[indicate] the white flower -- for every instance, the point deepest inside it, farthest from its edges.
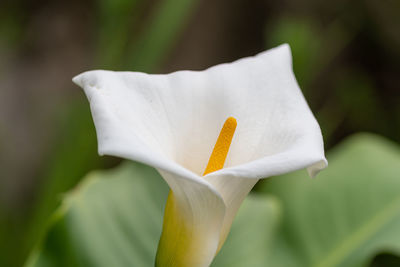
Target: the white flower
(171, 122)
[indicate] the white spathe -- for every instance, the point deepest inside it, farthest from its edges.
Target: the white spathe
(172, 121)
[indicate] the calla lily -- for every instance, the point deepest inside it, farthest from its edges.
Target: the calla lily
(172, 122)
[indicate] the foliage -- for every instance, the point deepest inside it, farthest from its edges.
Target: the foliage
(114, 218)
(345, 57)
(344, 217)
(75, 150)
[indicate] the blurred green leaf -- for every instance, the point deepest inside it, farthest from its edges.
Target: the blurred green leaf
(161, 32)
(114, 218)
(345, 216)
(385, 260)
(305, 42)
(315, 49)
(75, 153)
(116, 18)
(126, 42)
(251, 236)
(11, 24)
(358, 98)
(354, 104)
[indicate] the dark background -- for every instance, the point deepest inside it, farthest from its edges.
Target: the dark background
(346, 59)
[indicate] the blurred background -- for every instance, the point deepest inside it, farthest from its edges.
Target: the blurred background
(346, 59)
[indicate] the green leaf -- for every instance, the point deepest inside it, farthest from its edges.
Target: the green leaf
(251, 235)
(345, 216)
(167, 21)
(305, 42)
(114, 218)
(115, 21)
